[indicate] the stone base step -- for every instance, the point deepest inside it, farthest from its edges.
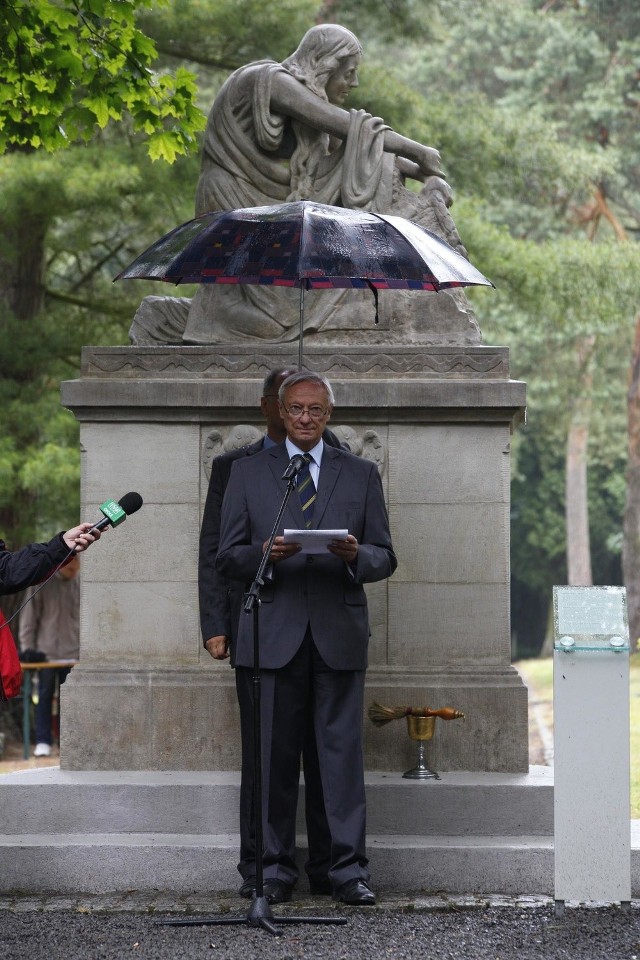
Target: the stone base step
(98, 832)
(184, 863)
(50, 800)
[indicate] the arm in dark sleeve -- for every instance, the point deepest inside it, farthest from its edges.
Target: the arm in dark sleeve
(238, 556)
(213, 587)
(25, 567)
(376, 559)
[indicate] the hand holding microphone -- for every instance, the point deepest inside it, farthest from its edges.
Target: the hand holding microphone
(81, 537)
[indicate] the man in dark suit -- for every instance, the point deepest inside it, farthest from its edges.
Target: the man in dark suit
(220, 607)
(314, 627)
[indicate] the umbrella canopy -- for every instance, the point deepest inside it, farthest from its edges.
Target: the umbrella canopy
(306, 245)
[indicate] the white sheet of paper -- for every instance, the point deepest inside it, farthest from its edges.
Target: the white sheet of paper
(314, 541)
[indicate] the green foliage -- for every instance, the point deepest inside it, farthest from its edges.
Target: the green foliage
(72, 67)
(532, 106)
(99, 206)
(39, 455)
(545, 100)
(225, 34)
(379, 22)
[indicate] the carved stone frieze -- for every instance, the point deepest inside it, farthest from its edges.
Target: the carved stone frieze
(362, 442)
(219, 441)
(365, 443)
(437, 362)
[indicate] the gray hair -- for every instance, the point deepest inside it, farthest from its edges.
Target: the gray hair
(303, 377)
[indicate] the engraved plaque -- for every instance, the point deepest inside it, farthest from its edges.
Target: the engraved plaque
(590, 618)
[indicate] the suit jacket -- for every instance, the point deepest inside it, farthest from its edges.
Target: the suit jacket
(317, 590)
(220, 598)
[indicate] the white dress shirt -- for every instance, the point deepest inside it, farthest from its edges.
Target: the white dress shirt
(316, 454)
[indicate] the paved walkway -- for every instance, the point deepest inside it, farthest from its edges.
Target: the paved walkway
(398, 928)
(187, 904)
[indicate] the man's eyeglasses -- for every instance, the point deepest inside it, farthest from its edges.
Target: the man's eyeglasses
(295, 411)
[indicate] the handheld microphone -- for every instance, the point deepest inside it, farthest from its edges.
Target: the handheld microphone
(295, 466)
(115, 513)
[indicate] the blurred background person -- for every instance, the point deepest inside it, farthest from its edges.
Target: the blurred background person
(50, 624)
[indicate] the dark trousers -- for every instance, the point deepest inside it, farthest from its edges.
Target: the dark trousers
(318, 836)
(304, 693)
(46, 688)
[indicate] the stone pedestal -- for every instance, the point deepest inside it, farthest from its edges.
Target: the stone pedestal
(438, 420)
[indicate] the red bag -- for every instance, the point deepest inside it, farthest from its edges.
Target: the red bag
(10, 666)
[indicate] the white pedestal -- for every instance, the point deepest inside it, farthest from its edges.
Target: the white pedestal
(591, 751)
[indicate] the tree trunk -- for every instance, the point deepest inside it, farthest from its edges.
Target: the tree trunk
(24, 274)
(22, 293)
(546, 649)
(576, 502)
(631, 527)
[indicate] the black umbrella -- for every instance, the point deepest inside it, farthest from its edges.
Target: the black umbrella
(306, 245)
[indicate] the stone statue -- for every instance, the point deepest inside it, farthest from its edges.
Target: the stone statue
(276, 133)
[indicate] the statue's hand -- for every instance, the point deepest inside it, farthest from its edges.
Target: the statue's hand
(429, 162)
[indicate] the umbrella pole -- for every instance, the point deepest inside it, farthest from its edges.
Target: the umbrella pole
(301, 326)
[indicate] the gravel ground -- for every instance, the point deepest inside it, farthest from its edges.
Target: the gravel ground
(422, 928)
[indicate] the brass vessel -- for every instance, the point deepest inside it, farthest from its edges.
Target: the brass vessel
(421, 729)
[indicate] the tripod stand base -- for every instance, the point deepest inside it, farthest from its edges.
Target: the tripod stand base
(259, 915)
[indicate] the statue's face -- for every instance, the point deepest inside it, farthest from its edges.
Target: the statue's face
(342, 80)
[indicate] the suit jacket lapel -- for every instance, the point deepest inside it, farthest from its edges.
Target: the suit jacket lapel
(278, 460)
(329, 473)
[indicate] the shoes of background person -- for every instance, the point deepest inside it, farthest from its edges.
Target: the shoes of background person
(320, 886)
(42, 750)
(277, 891)
(248, 888)
(355, 892)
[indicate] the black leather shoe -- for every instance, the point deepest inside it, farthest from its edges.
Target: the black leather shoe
(248, 888)
(355, 892)
(320, 886)
(277, 891)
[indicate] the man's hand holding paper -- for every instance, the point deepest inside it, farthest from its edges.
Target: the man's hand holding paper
(319, 541)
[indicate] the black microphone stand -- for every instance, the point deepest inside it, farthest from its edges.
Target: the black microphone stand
(260, 913)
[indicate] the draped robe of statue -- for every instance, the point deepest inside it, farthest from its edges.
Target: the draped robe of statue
(253, 156)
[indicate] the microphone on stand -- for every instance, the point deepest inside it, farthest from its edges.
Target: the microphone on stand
(294, 467)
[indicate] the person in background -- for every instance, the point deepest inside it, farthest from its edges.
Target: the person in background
(50, 624)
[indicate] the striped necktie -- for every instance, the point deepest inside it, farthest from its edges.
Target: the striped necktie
(306, 490)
